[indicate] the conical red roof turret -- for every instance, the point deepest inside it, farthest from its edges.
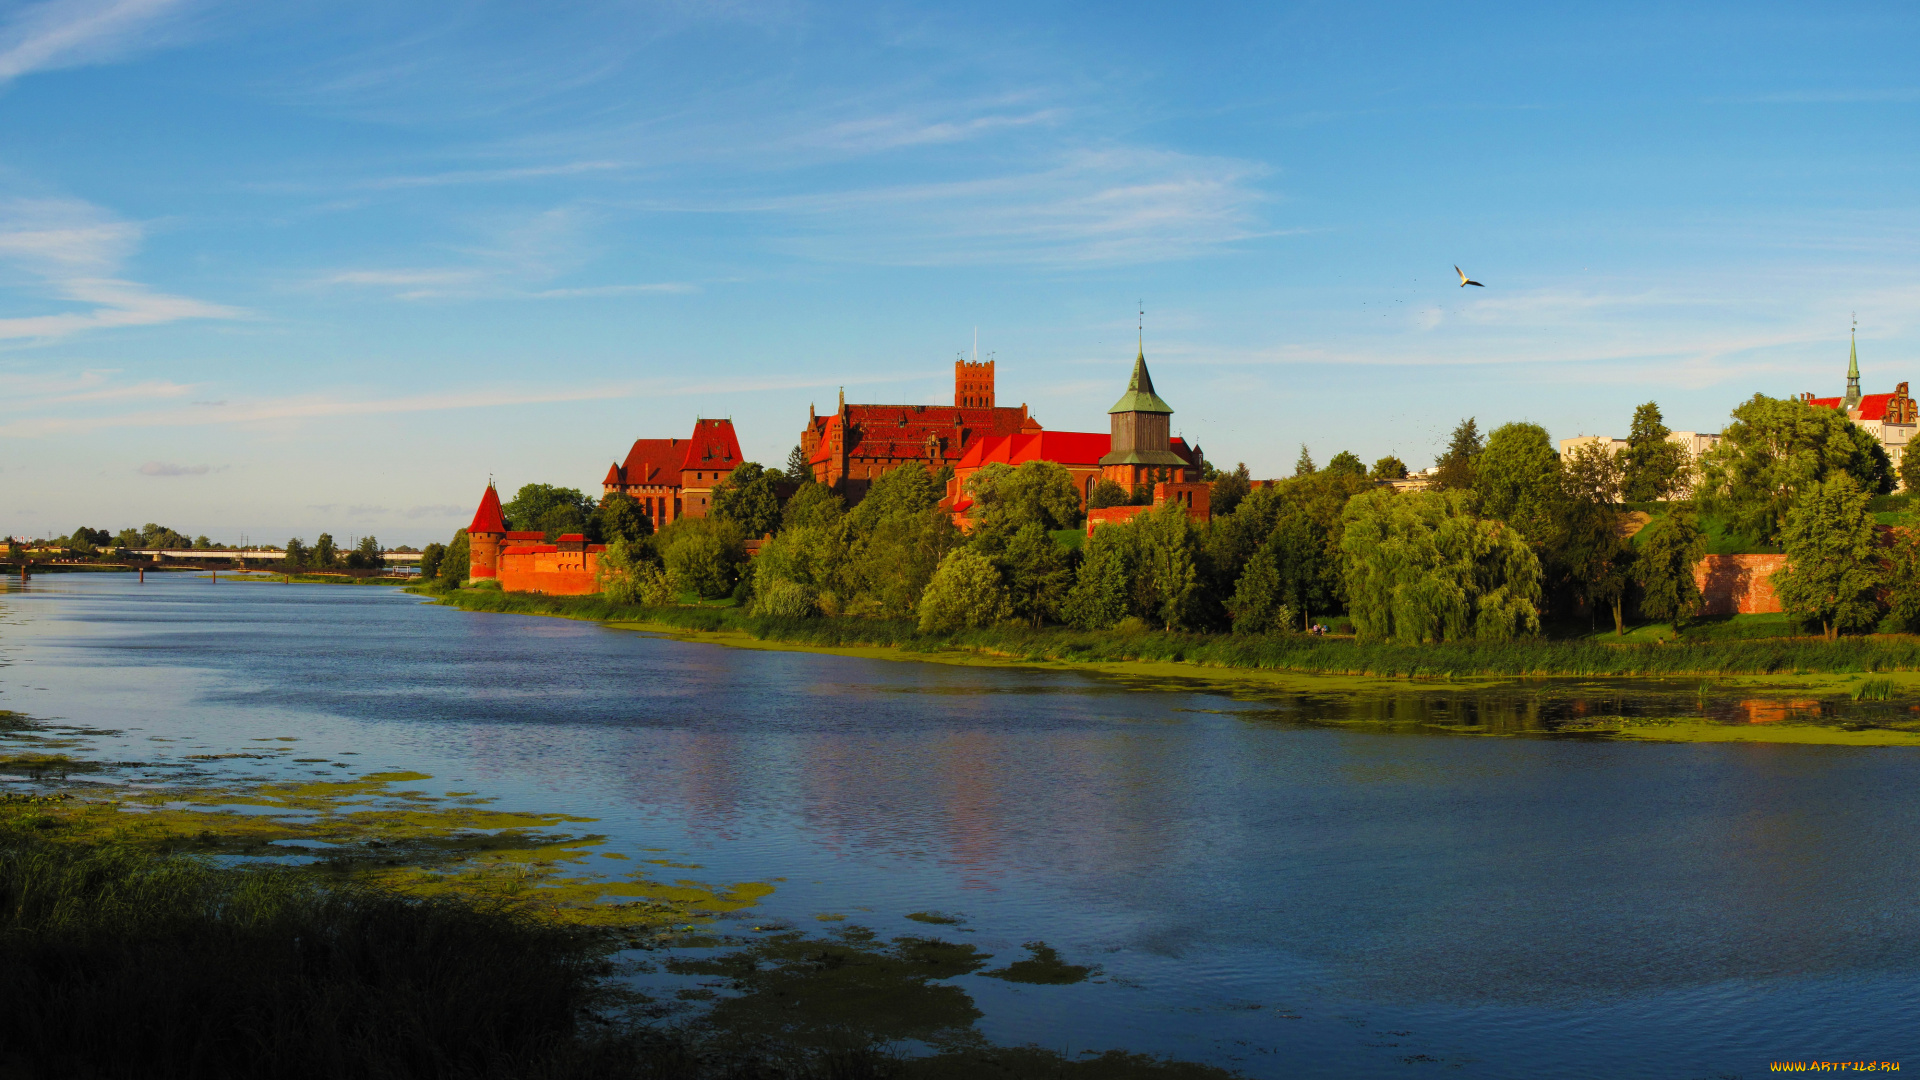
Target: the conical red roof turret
(488, 518)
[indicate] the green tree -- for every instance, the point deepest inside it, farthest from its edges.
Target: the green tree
(704, 554)
(1833, 565)
(1228, 489)
(1303, 465)
(430, 557)
(799, 571)
(366, 555)
(1517, 479)
(798, 470)
(1169, 576)
(748, 498)
(1666, 556)
(1655, 468)
(1389, 468)
(324, 552)
(1909, 474)
(1903, 576)
(297, 554)
(1107, 493)
(1287, 577)
(621, 517)
(1102, 589)
(1774, 453)
(552, 510)
(813, 505)
(1007, 499)
(1593, 546)
(129, 538)
(1346, 463)
(965, 592)
(457, 562)
(1422, 567)
(1456, 465)
(896, 538)
(1039, 572)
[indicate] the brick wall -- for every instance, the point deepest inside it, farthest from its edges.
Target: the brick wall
(1737, 584)
(542, 568)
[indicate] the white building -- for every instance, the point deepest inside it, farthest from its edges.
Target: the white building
(1695, 443)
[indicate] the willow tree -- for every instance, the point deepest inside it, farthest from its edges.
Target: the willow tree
(1422, 567)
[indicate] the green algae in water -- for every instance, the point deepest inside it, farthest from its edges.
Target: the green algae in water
(936, 918)
(814, 990)
(1042, 967)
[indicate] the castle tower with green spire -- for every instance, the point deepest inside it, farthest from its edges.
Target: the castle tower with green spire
(1142, 423)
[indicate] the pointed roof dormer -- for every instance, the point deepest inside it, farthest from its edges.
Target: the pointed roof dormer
(1140, 397)
(488, 519)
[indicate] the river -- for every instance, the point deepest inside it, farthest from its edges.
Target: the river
(1259, 890)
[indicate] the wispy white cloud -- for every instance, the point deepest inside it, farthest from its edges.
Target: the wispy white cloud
(890, 131)
(73, 248)
(1118, 205)
(161, 468)
(70, 33)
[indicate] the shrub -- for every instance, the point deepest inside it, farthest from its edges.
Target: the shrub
(966, 592)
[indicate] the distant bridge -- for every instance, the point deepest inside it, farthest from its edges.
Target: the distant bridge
(250, 555)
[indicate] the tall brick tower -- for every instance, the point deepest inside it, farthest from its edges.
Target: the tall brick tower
(484, 535)
(1141, 421)
(972, 385)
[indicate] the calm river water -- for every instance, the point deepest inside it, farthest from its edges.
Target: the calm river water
(1261, 892)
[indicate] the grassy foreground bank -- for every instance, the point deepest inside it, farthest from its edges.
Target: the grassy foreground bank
(1291, 653)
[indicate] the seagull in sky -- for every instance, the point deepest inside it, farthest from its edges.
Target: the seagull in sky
(1464, 280)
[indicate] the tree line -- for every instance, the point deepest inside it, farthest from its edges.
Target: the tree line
(1510, 537)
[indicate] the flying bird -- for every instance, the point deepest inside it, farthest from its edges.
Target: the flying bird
(1464, 280)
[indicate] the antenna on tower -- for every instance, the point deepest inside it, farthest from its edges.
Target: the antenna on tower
(976, 344)
(1141, 329)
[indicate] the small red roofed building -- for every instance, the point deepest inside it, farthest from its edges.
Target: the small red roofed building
(674, 478)
(848, 448)
(1893, 419)
(524, 561)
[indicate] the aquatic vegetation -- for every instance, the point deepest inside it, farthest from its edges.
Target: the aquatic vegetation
(936, 918)
(1874, 690)
(1042, 967)
(813, 990)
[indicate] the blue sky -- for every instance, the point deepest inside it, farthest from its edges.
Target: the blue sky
(269, 269)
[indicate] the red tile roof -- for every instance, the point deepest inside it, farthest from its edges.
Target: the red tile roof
(529, 534)
(713, 446)
(488, 518)
(902, 432)
(1874, 406)
(653, 461)
(1065, 447)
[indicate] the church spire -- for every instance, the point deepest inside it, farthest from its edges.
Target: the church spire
(1853, 367)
